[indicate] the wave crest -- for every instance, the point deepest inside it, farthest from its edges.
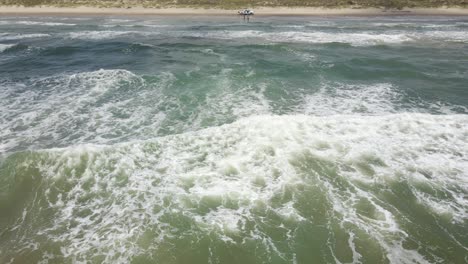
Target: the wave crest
(249, 179)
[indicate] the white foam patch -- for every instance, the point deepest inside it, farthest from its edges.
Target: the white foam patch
(289, 26)
(221, 34)
(371, 99)
(407, 25)
(108, 106)
(358, 39)
(220, 178)
(456, 36)
(35, 23)
(81, 108)
(12, 36)
(369, 38)
(101, 35)
(97, 35)
(119, 20)
(130, 26)
(4, 47)
(338, 98)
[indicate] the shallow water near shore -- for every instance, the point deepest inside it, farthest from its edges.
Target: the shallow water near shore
(213, 140)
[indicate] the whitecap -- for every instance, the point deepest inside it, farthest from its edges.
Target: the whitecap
(456, 36)
(12, 36)
(4, 47)
(357, 39)
(34, 23)
(339, 98)
(28, 114)
(224, 180)
(98, 35)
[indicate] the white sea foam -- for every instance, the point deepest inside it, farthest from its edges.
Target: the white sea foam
(221, 34)
(337, 98)
(102, 115)
(119, 20)
(408, 25)
(98, 35)
(34, 23)
(4, 47)
(137, 25)
(365, 39)
(84, 100)
(289, 26)
(12, 36)
(222, 178)
(357, 39)
(457, 36)
(101, 35)
(374, 99)
(58, 110)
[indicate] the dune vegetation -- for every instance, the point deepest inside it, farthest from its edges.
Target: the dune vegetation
(242, 3)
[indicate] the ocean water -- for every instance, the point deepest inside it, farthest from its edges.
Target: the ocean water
(211, 140)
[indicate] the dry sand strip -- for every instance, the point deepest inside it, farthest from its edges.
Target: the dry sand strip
(268, 11)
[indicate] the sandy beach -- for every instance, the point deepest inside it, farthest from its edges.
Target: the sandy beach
(265, 11)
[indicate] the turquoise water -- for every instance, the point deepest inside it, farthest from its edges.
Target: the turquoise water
(212, 140)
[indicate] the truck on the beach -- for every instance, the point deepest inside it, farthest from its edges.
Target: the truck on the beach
(245, 12)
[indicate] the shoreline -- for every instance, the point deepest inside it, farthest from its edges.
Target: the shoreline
(260, 11)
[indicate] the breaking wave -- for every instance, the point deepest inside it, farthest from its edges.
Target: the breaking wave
(245, 185)
(100, 35)
(108, 106)
(4, 47)
(35, 23)
(356, 39)
(11, 36)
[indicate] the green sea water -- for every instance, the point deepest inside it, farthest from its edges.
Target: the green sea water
(159, 139)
